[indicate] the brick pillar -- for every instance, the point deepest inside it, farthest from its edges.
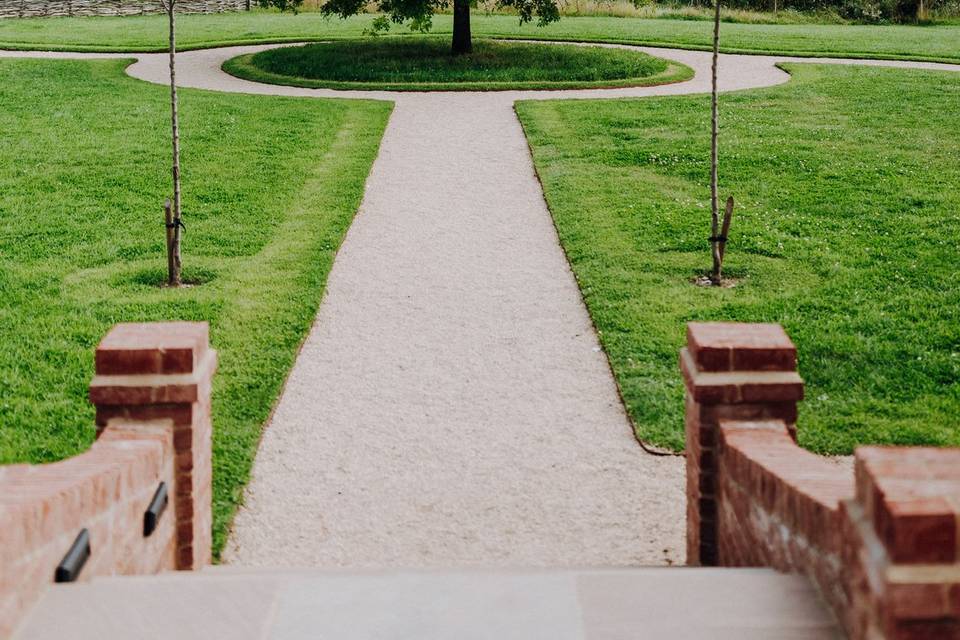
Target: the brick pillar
(902, 545)
(165, 370)
(732, 371)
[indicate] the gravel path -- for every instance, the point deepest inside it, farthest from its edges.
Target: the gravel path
(451, 405)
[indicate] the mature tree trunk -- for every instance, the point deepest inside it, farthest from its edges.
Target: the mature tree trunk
(173, 277)
(715, 275)
(461, 27)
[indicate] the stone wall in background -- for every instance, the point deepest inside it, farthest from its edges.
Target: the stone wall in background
(48, 8)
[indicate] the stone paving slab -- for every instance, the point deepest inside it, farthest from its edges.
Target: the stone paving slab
(632, 604)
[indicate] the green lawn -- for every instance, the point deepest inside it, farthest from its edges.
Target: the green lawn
(846, 232)
(147, 33)
(270, 187)
(426, 64)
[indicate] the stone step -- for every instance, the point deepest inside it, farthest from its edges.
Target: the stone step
(283, 604)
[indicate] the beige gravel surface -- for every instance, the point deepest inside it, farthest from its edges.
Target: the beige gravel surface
(452, 406)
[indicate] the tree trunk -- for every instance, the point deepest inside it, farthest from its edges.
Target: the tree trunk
(461, 27)
(174, 277)
(714, 126)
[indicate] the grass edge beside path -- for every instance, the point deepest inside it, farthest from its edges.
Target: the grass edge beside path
(787, 53)
(139, 34)
(272, 185)
(337, 181)
(876, 330)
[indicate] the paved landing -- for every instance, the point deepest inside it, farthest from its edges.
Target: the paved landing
(632, 604)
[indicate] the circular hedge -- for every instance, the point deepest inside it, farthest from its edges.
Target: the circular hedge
(426, 64)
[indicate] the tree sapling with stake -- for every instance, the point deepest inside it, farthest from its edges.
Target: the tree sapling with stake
(718, 236)
(172, 217)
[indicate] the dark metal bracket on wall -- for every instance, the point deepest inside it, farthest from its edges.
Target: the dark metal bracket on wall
(157, 506)
(72, 564)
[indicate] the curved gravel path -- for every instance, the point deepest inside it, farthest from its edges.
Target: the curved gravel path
(451, 405)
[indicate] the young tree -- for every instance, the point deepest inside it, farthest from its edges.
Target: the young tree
(420, 14)
(714, 131)
(718, 235)
(173, 219)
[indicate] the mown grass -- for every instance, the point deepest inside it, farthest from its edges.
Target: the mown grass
(270, 187)
(653, 10)
(426, 64)
(846, 232)
(147, 33)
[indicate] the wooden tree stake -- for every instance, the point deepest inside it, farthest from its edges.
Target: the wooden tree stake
(725, 229)
(171, 263)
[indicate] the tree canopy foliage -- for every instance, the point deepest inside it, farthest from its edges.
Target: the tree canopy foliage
(420, 13)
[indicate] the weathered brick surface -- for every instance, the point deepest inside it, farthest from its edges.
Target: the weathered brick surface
(900, 544)
(779, 505)
(883, 547)
(912, 497)
(141, 442)
(105, 490)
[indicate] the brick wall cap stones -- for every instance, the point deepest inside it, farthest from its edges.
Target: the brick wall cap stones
(132, 390)
(940, 463)
(774, 426)
(726, 346)
(912, 498)
(769, 454)
(154, 348)
(739, 387)
(920, 574)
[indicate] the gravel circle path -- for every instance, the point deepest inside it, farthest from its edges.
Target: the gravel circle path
(452, 406)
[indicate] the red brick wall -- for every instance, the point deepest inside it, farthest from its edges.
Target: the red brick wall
(901, 544)
(883, 548)
(152, 393)
(165, 370)
(779, 505)
(723, 385)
